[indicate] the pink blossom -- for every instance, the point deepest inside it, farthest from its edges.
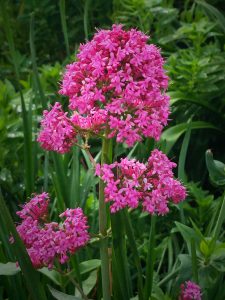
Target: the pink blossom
(130, 182)
(36, 208)
(47, 242)
(94, 122)
(57, 133)
(119, 74)
(190, 291)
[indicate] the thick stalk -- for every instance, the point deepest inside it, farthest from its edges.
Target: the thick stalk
(150, 261)
(103, 229)
(120, 268)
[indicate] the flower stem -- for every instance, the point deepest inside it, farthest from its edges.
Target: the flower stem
(150, 261)
(78, 287)
(103, 229)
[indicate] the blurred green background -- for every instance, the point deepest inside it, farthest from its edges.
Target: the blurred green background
(38, 38)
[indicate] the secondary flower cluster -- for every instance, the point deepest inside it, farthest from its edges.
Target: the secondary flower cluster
(57, 133)
(129, 182)
(118, 83)
(46, 242)
(190, 291)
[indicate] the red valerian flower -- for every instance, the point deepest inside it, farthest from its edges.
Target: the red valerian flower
(47, 242)
(130, 182)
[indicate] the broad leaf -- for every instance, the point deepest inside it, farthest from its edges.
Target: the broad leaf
(216, 169)
(9, 269)
(61, 296)
(89, 265)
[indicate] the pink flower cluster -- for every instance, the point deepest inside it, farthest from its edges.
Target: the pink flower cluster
(46, 242)
(118, 84)
(57, 132)
(190, 291)
(129, 182)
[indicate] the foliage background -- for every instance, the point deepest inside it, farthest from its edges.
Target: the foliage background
(38, 38)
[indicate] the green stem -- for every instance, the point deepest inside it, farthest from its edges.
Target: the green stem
(220, 220)
(132, 241)
(76, 284)
(120, 269)
(103, 229)
(150, 261)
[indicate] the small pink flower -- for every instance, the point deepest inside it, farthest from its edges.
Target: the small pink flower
(46, 242)
(36, 208)
(190, 291)
(57, 133)
(130, 182)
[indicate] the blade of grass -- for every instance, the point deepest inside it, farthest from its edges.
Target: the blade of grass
(75, 179)
(181, 165)
(61, 178)
(183, 154)
(134, 249)
(220, 220)
(119, 262)
(27, 129)
(194, 262)
(38, 88)
(169, 277)
(64, 26)
(30, 275)
(150, 261)
(86, 9)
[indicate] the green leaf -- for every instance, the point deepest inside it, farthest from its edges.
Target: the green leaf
(9, 269)
(89, 265)
(218, 16)
(172, 134)
(183, 154)
(185, 268)
(61, 296)
(216, 169)
(89, 283)
(204, 248)
(188, 234)
(51, 274)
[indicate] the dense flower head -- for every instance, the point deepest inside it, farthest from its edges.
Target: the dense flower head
(46, 242)
(36, 208)
(130, 182)
(57, 132)
(119, 73)
(190, 291)
(93, 122)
